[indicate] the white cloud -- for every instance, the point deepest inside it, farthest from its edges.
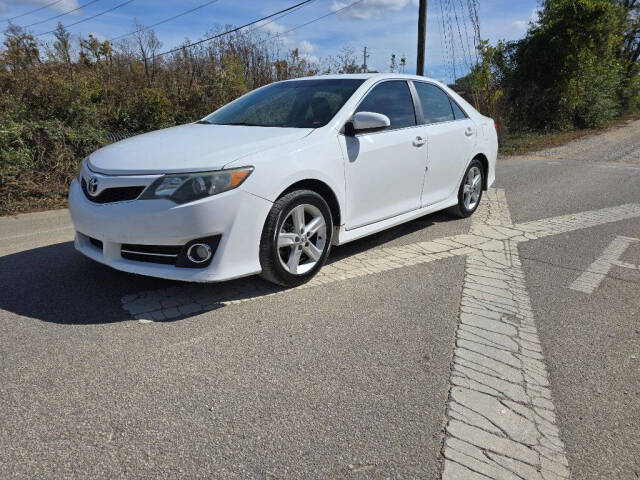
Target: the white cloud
(524, 24)
(272, 28)
(367, 9)
(99, 36)
(535, 14)
(520, 24)
(62, 6)
(306, 48)
(311, 58)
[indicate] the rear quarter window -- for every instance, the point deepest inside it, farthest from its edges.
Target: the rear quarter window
(458, 113)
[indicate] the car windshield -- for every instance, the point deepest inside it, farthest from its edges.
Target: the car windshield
(297, 104)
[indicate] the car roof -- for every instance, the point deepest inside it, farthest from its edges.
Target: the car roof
(365, 76)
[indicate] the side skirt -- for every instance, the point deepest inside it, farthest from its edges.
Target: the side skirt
(341, 235)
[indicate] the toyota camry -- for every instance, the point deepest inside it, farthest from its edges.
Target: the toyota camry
(269, 182)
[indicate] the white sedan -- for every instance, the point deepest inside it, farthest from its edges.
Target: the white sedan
(267, 183)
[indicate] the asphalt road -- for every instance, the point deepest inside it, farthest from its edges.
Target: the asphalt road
(110, 375)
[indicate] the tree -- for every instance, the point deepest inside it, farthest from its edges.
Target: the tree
(631, 47)
(62, 46)
(347, 62)
(630, 54)
(393, 66)
(22, 50)
(568, 69)
(148, 45)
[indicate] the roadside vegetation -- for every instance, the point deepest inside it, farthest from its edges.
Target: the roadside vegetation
(577, 68)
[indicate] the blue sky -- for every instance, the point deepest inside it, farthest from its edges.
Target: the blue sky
(384, 26)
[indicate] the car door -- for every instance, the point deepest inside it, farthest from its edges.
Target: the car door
(451, 137)
(384, 169)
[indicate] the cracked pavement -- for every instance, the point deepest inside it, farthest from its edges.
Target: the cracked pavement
(505, 346)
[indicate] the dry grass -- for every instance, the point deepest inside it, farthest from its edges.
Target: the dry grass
(520, 143)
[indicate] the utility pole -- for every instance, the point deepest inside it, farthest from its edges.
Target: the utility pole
(365, 56)
(422, 36)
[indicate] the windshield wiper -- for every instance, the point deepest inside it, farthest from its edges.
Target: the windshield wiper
(243, 124)
(203, 122)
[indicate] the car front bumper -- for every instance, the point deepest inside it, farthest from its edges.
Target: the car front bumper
(236, 216)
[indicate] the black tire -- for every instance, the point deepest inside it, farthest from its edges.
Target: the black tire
(272, 269)
(460, 210)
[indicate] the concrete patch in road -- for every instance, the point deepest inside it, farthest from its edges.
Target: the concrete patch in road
(501, 418)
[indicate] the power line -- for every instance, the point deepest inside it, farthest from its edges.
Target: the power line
(60, 15)
(89, 18)
(475, 22)
(164, 21)
(442, 43)
(466, 32)
(233, 30)
(447, 44)
(275, 19)
(32, 11)
(452, 41)
(465, 55)
(321, 17)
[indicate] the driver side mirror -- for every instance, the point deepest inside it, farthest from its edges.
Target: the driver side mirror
(363, 121)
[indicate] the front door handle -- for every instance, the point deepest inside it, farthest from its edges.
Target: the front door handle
(468, 132)
(419, 141)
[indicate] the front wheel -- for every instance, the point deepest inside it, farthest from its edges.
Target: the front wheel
(296, 238)
(470, 191)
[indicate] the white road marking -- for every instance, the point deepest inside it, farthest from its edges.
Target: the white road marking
(577, 221)
(190, 299)
(501, 420)
(591, 279)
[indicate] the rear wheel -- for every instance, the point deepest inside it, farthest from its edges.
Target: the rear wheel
(296, 238)
(470, 191)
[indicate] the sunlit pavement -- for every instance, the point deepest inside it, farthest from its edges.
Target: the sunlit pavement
(503, 346)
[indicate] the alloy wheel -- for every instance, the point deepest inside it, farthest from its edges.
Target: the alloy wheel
(301, 239)
(472, 188)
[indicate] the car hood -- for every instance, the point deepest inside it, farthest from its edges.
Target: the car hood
(189, 148)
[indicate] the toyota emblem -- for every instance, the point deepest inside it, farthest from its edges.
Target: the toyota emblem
(92, 186)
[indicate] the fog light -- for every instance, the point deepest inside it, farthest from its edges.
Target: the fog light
(199, 253)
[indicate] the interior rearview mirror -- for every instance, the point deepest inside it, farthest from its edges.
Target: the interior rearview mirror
(366, 121)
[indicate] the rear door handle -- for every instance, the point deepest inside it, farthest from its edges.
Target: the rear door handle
(419, 141)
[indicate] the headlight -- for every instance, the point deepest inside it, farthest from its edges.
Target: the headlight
(183, 188)
(80, 169)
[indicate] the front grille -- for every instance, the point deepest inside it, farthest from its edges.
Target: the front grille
(165, 254)
(96, 243)
(115, 194)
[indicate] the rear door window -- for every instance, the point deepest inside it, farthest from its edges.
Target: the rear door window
(436, 106)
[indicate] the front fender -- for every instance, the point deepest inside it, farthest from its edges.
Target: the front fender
(317, 158)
